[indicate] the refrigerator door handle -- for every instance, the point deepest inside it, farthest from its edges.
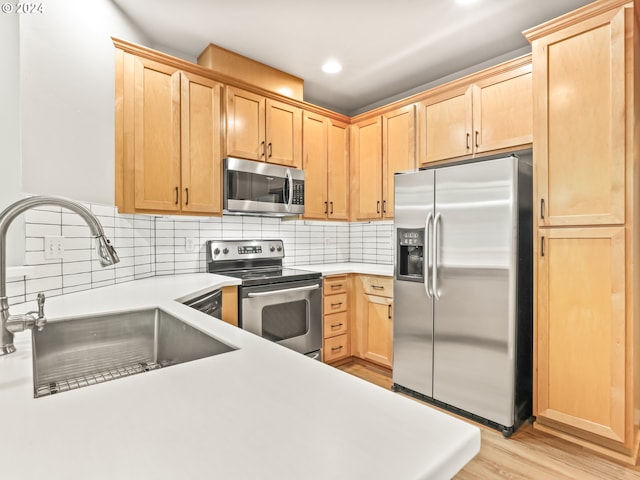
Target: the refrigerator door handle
(426, 268)
(434, 278)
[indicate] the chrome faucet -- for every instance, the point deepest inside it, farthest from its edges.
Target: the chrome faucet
(17, 323)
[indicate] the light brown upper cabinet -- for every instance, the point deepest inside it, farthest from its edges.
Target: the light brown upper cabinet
(492, 113)
(168, 139)
(381, 146)
(325, 160)
(366, 169)
(260, 128)
(586, 179)
(581, 89)
(398, 150)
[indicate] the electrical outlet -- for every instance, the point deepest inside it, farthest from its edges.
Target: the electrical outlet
(190, 244)
(53, 247)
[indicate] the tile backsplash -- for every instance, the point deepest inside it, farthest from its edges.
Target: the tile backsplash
(151, 245)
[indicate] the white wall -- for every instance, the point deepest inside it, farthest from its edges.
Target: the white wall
(10, 183)
(67, 91)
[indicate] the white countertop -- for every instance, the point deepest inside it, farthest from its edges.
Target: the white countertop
(260, 412)
(348, 267)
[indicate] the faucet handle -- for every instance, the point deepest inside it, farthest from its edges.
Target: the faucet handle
(40, 299)
(41, 321)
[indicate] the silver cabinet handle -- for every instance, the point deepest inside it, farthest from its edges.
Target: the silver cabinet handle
(434, 279)
(426, 268)
(287, 290)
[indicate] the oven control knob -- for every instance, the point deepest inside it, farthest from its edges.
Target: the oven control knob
(225, 251)
(272, 248)
(279, 249)
(216, 251)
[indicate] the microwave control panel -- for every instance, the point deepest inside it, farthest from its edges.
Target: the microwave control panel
(298, 193)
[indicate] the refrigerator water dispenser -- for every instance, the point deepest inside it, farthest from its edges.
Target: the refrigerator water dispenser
(410, 254)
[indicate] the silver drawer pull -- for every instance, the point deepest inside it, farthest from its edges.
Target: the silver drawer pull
(287, 290)
(334, 305)
(336, 325)
(336, 286)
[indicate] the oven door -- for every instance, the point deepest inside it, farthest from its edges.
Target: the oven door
(288, 313)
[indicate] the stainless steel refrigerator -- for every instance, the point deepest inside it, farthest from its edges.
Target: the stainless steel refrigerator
(463, 288)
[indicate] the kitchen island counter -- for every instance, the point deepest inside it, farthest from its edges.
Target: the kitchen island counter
(259, 412)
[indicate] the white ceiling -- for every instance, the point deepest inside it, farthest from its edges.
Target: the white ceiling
(386, 47)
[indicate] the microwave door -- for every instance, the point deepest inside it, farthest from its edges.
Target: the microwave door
(239, 184)
(267, 189)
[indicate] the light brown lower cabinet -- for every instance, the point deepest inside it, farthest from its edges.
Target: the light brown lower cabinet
(372, 333)
(335, 331)
(582, 343)
(230, 305)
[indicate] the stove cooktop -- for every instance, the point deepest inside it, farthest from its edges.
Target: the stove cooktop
(255, 262)
(252, 277)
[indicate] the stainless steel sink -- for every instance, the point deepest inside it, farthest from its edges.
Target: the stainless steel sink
(78, 352)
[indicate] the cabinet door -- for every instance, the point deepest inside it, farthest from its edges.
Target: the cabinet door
(338, 171)
(398, 150)
(503, 111)
(580, 334)
(366, 163)
(283, 134)
(445, 126)
(201, 145)
(314, 163)
(378, 330)
(245, 124)
(579, 93)
(156, 136)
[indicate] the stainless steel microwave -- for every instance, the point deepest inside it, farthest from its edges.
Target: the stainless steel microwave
(262, 189)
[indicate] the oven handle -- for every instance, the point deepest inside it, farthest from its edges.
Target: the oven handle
(287, 290)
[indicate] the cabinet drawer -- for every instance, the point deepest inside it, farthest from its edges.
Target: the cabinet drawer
(335, 348)
(335, 324)
(335, 303)
(382, 286)
(334, 285)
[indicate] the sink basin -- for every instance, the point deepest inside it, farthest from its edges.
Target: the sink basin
(78, 352)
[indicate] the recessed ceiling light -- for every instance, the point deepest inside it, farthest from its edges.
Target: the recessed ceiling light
(331, 67)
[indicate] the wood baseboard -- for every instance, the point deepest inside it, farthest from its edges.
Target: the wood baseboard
(365, 363)
(612, 454)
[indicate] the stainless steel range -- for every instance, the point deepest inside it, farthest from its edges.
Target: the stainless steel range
(280, 304)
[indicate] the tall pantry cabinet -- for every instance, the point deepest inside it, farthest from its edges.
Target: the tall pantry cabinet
(586, 154)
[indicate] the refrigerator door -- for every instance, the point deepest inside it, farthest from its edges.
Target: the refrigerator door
(413, 309)
(474, 323)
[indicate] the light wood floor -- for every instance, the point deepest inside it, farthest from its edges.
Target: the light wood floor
(528, 455)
